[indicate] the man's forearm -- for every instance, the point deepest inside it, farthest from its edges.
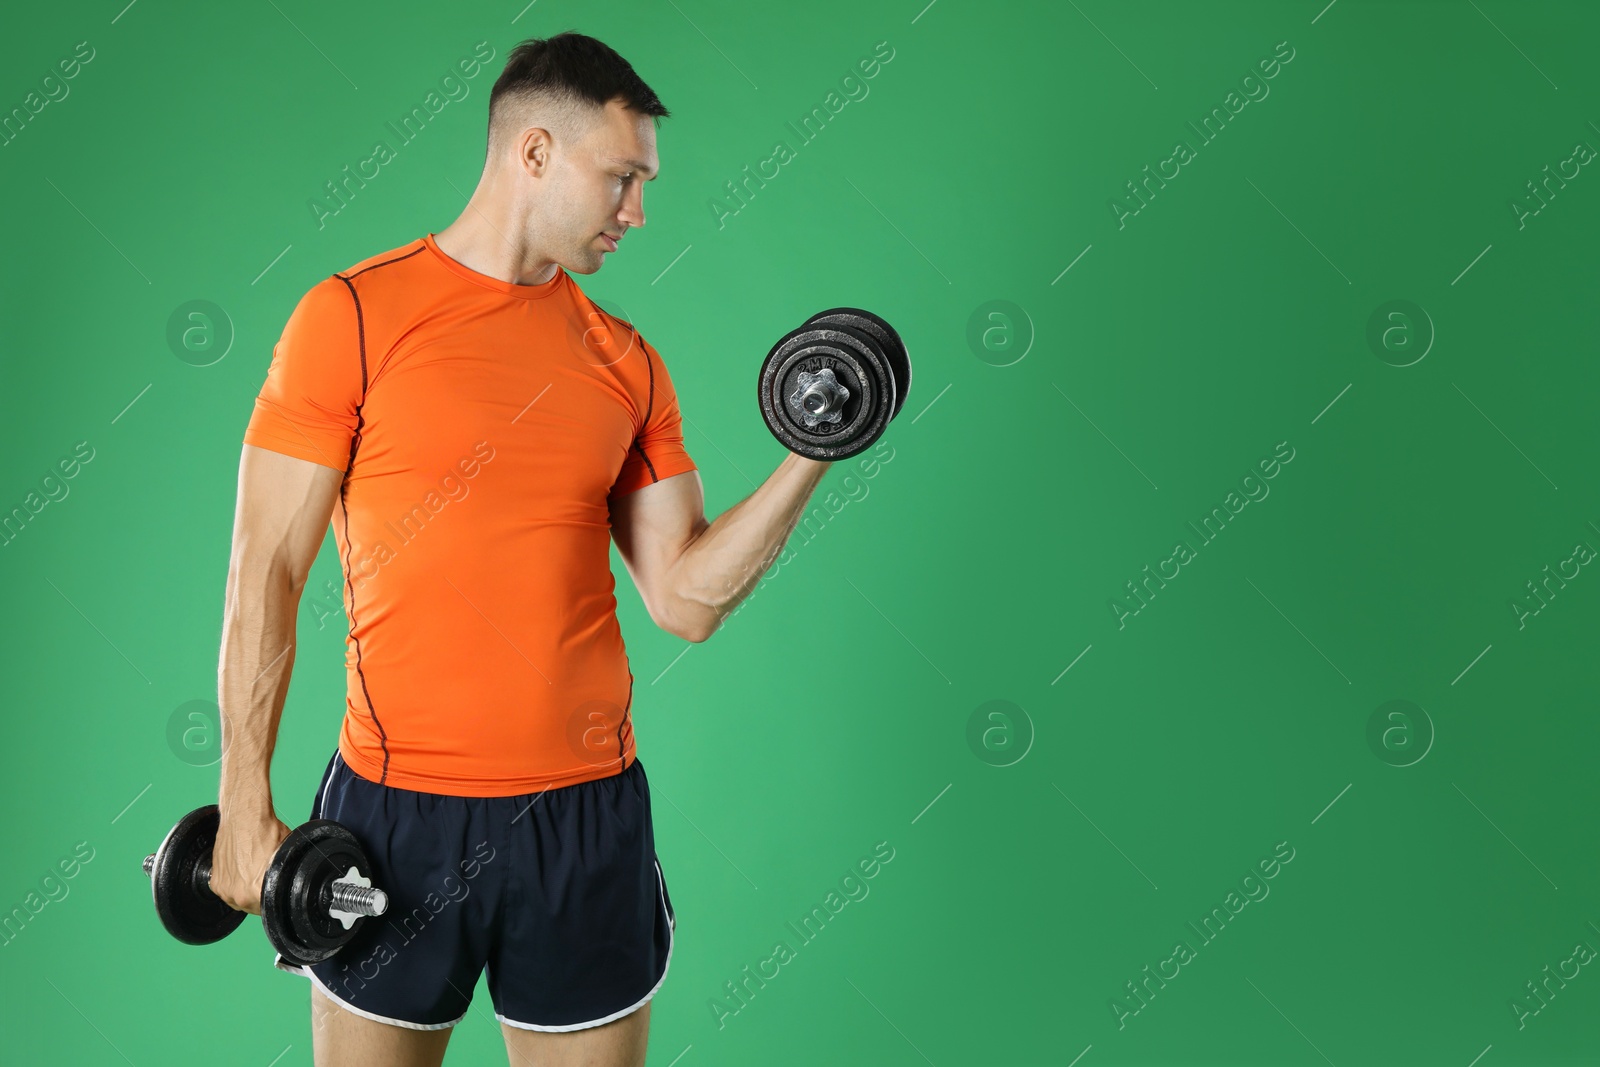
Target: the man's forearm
(258, 629)
(721, 566)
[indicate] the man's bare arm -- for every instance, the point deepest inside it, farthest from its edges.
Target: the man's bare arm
(282, 515)
(693, 573)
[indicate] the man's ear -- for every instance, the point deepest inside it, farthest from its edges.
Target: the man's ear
(533, 151)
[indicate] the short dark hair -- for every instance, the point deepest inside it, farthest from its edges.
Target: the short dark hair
(576, 71)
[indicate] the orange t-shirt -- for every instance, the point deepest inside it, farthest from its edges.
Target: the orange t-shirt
(482, 427)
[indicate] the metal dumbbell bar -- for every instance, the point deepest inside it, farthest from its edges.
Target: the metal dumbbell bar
(829, 388)
(315, 896)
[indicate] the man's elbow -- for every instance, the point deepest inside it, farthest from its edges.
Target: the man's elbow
(694, 631)
(690, 621)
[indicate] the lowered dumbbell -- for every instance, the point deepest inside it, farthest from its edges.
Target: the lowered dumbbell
(829, 388)
(314, 898)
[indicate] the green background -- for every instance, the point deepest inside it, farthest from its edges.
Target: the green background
(1230, 714)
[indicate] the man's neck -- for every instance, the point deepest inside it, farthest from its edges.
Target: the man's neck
(482, 239)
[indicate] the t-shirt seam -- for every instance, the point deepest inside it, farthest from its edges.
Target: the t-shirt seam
(386, 262)
(361, 334)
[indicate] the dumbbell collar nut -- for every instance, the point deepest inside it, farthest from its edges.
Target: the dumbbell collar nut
(818, 398)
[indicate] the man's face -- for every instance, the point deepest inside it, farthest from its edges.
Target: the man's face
(599, 188)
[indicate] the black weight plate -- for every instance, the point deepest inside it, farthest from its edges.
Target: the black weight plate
(810, 350)
(297, 889)
(859, 364)
(894, 349)
(318, 934)
(815, 354)
(180, 882)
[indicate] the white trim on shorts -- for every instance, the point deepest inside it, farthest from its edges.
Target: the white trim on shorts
(671, 928)
(327, 777)
(347, 1006)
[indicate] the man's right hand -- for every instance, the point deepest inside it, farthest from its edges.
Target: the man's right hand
(240, 858)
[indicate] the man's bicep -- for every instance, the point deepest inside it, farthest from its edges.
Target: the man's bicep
(284, 506)
(652, 527)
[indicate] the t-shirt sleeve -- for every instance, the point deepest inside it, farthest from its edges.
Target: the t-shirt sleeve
(657, 451)
(308, 406)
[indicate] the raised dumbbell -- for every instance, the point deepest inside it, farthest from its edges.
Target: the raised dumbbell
(314, 898)
(829, 388)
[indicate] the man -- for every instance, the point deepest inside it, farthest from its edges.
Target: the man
(477, 431)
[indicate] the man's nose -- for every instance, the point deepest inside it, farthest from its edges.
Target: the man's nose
(633, 209)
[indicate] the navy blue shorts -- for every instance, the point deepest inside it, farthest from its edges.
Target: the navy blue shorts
(559, 894)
